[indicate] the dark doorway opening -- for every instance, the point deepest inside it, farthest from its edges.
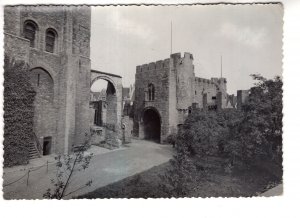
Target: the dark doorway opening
(98, 113)
(151, 125)
(47, 145)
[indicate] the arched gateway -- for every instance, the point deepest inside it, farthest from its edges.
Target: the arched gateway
(151, 121)
(105, 113)
(150, 124)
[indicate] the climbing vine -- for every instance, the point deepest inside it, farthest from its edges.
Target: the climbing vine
(18, 112)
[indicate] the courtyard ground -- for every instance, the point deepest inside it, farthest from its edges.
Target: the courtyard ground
(106, 167)
(215, 182)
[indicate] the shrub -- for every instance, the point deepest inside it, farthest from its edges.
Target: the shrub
(66, 167)
(179, 179)
(259, 134)
(251, 134)
(18, 113)
(171, 139)
(206, 132)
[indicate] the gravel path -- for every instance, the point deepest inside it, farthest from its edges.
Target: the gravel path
(105, 168)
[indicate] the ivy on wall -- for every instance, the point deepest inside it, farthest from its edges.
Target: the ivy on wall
(18, 112)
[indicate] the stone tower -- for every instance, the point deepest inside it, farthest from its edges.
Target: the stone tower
(164, 91)
(55, 42)
(184, 70)
(167, 91)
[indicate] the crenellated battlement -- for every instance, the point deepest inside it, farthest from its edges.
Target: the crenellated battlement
(202, 80)
(217, 81)
(185, 55)
(161, 64)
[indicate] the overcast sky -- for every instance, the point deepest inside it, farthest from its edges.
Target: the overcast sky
(249, 38)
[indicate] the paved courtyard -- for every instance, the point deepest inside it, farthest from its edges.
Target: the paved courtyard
(106, 167)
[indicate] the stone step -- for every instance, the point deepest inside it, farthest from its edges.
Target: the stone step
(33, 152)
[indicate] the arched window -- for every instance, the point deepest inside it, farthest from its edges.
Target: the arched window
(43, 85)
(30, 29)
(50, 40)
(151, 92)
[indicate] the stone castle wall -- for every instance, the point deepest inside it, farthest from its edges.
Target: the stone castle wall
(203, 86)
(242, 97)
(177, 91)
(158, 74)
(68, 65)
(185, 84)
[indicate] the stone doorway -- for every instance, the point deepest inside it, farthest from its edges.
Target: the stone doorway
(152, 127)
(47, 145)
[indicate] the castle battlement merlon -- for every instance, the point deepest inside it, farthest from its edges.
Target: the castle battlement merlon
(177, 57)
(218, 80)
(160, 64)
(163, 64)
(203, 80)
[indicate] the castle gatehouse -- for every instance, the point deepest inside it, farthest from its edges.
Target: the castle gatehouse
(166, 91)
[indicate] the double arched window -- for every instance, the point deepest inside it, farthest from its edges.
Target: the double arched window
(151, 92)
(29, 31)
(50, 40)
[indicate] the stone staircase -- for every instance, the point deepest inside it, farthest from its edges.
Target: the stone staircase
(33, 150)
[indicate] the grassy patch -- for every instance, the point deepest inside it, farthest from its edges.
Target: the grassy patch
(215, 181)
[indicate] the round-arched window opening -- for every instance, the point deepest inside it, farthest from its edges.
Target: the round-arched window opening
(50, 40)
(29, 32)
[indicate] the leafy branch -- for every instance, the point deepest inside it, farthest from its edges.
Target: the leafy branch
(67, 166)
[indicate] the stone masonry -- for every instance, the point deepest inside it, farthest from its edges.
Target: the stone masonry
(177, 90)
(62, 77)
(111, 109)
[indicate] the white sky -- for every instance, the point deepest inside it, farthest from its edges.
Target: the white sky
(249, 37)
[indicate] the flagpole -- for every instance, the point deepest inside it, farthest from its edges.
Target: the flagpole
(221, 67)
(171, 37)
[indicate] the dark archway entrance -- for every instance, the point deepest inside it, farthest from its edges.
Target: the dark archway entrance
(152, 127)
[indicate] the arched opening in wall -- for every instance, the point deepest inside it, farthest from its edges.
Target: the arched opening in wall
(50, 40)
(44, 111)
(43, 84)
(103, 104)
(152, 125)
(30, 29)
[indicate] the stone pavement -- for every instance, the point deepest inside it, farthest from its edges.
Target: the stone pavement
(105, 167)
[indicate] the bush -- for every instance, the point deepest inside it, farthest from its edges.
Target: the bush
(18, 113)
(179, 179)
(250, 135)
(259, 134)
(206, 132)
(171, 139)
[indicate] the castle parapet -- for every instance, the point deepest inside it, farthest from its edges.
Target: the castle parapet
(145, 67)
(202, 80)
(152, 66)
(161, 64)
(219, 80)
(176, 55)
(188, 55)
